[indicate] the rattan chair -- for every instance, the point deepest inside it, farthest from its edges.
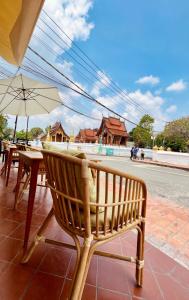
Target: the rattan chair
(4, 145)
(10, 157)
(119, 206)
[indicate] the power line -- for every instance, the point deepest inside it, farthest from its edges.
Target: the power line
(92, 62)
(26, 68)
(48, 76)
(97, 68)
(83, 92)
(110, 87)
(63, 104)
(70, 108)
(51, 50)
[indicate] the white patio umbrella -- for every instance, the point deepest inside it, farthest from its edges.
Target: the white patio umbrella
(23, 96)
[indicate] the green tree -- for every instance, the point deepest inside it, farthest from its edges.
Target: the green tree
(3, 125)
(21, 134)
(35, 132)
(176, 144)
(8, 133)
(143, 132)
(160, 140)
(48, 128)
(131, 135)
(176, 134)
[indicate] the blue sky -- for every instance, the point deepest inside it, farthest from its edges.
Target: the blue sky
(142, 45)
(141, 37)
(136, 38)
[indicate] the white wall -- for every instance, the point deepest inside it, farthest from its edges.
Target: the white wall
(171, 157)
(96, 148)
(160, 156)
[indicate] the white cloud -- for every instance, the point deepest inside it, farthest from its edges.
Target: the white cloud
(177, 86)
(71, 16)
(76, 122)
(103, 82)
(171, 109)
(147, 100)
(152, 105)
(110, 101)
(152, 80)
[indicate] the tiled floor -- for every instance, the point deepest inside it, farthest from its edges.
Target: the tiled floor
(49, 272)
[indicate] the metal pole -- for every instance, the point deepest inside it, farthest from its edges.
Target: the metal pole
(14, 135)
(27, 130)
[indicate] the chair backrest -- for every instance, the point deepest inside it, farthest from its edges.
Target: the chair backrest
(120, 198)
(5, 144)
(21, 147)
(31, 148)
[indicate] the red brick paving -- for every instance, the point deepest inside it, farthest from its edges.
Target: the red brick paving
(49, 272)
(168, 228)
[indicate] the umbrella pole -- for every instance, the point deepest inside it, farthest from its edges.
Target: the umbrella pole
(14, 135)
(27, 130)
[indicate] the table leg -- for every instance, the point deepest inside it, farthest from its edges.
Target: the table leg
(6, 160)
(31, 197)
(19, 178)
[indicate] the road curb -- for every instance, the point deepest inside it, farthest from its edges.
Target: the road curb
(156, 163)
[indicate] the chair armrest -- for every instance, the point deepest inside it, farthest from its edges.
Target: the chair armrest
(93, 171)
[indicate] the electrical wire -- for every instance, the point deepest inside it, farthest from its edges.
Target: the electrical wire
(83, 92)
(94, 65)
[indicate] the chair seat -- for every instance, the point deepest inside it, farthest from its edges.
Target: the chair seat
(101, 220)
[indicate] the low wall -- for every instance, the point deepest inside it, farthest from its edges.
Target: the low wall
(97, 149)
(160, 156)
(176, 158)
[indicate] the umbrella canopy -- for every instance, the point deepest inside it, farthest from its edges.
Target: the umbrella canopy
(17, 21)
(23, 96)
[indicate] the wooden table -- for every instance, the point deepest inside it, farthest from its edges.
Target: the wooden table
(32, 159)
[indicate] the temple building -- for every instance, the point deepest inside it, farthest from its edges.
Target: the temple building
(87, 136)
(112, 131)
(55, 134)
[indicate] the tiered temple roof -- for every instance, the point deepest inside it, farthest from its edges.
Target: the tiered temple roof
(113, 131)
(55, 134)
(87, 136)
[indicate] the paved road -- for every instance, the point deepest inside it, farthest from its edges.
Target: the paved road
(168, 183)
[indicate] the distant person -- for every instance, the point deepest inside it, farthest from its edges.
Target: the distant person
(135, 152)
(132, 153)
(142, 155)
